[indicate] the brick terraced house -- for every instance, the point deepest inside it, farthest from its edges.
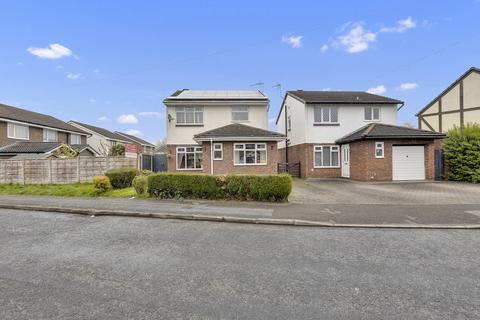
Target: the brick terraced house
(220, 132)
(352, 135)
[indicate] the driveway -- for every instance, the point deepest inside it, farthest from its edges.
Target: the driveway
(341, 191)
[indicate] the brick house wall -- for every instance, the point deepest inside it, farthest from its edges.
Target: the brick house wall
(303, 153)
(365, 167)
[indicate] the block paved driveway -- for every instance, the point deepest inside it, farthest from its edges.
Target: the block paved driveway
(340, 191)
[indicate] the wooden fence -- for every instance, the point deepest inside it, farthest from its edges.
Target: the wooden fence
(59, 171)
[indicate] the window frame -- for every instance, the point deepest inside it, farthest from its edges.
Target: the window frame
(76, 135)
(13, 125)
(244, 150)
(372, 112)
(245, 111)
(221, 151)
(186, 110)
(197, 150)
(382, 148)
(289, 123)
(45, 135)
(321, 112)
(331, 151)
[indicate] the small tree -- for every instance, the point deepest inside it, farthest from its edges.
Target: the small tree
(462, 153)
(117, 150)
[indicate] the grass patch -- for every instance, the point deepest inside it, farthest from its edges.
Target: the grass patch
(62, 190)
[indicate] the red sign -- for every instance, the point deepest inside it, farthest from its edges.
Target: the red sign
(131, 148)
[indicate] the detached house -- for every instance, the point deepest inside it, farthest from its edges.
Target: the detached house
(352, 135)
(220, 132)
(29, 134)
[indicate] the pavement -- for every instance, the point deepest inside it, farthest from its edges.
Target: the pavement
(60, 266)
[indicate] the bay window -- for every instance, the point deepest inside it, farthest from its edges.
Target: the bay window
(189, 158)
(17, 131)
(250, 153)
(189, 115)
(322, 114)
(326, 157)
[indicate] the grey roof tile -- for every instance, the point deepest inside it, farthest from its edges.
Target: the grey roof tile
(134, 139)
(238, 130)
(102, 131)
(348, 97)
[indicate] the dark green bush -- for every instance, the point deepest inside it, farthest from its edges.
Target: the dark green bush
(241, 187)
(121, 178)
(116, 150)
(140, 184)
(462, 153)
(101, 184)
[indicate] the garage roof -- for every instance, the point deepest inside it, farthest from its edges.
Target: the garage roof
(387, 131)
(238, 132)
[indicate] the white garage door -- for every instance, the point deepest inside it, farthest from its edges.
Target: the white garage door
(408, 162)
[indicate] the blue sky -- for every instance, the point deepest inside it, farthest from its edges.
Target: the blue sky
(111, 63)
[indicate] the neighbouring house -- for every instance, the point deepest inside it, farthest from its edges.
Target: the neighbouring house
(144, 147)
(457, 105)
(220, 132)
(318, 124)
(101, 139)
(22, 129)
(43, 150)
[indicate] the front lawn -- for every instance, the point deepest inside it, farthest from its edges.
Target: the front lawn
(64, 190)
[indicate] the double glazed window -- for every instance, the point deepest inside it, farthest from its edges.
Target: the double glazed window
(379, 149)
(189, 158)
(75, 139)
(323, 114)
(189, 115)
(217, 151)
(326, 157)
(240, 113)
(372, 113)
(250, 153)
(50, 135)
(17, 131)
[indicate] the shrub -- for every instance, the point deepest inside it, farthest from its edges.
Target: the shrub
(116, 150)
(241, 187)
(121, 178)
(140, 184)
(101, 184)
(146, 172)
(462, 153)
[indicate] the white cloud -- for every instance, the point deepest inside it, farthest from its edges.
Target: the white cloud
(377, 90)
(401, 26)
(294, 41)
(408, 86)
(127, 118)
(357, 39)
(73, 76)
(324, 48)
(326, 89)
(151, 114)
(53, 51)
(135, 133)
(103, 118)
(91, 100)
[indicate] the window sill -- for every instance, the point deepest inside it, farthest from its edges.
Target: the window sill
(372, 120)
(189, 125)
(336, 167)
(189, 169)
(249, 164)
(217, 159)
(18, 138)
(318, 124)
(240, 121)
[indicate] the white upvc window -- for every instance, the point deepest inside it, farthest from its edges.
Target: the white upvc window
(189, 115)
(189, 158)
(322, 114)
(217, 151)
(17, 131)
(326, 157)
(75, 139)
(50, 135)
(240, 113)
(379, 149)
(289, 123)
(249, 154)
(372, 113)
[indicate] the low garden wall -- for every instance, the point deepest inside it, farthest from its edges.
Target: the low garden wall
(59, 171)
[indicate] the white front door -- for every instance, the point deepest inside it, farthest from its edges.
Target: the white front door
(346, 161)
(408, 163)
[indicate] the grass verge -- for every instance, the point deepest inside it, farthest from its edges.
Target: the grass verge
(63, 190)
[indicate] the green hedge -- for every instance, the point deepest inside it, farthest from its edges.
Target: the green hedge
(462, 153)
(121, 178)
(201, 186)
(140, 184)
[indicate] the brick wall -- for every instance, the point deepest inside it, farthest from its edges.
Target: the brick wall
(36, 135)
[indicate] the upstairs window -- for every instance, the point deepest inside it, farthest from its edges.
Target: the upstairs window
(50, 135)
(325, 114)
(289, 123)
(240, 113)
(217, 151)
(75, 139)
(189, 115)
(17, 131)
(372, 113)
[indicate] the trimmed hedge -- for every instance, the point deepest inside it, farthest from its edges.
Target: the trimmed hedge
(121, 178)
(462, 153)
(140, 184)
(202, 186)
(101, 184)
